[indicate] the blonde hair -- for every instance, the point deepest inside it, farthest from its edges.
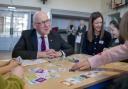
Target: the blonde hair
(124, 26)
(90, 33)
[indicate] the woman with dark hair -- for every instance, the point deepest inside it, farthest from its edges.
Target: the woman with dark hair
(116, 38)
(96, 38)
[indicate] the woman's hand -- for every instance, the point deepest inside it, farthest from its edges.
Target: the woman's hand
(81, 65)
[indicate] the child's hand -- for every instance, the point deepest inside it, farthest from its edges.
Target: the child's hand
(13, 63)
(18, 71)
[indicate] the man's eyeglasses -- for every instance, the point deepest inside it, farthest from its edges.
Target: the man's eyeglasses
(43, 22)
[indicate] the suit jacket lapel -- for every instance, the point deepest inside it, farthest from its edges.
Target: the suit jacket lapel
(34, 40)
(50, 39)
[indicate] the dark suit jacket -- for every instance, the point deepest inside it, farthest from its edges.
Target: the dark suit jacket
(27, 46)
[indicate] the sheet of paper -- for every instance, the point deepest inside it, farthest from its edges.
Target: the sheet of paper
(73, 80)
(32, 62)
(34, 79)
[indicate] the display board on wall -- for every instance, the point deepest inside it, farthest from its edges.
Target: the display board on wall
(118, 3)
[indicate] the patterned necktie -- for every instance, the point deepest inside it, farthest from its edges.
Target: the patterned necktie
(43, 46)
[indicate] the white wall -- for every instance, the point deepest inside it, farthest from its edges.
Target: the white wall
(73, 5)
(32, 3)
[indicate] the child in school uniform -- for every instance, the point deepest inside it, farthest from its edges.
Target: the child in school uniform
(15, 79)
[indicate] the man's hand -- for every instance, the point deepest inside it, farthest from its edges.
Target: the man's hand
(50, 53)
(42, 54)
(56, 54)
(46, 54)
(82, 65)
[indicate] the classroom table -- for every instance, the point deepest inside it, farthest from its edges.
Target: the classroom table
(111, 71)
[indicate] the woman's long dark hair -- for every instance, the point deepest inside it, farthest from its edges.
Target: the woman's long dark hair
(90, 33)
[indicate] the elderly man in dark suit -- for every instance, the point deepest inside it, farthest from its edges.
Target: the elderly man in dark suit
(41, 42)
